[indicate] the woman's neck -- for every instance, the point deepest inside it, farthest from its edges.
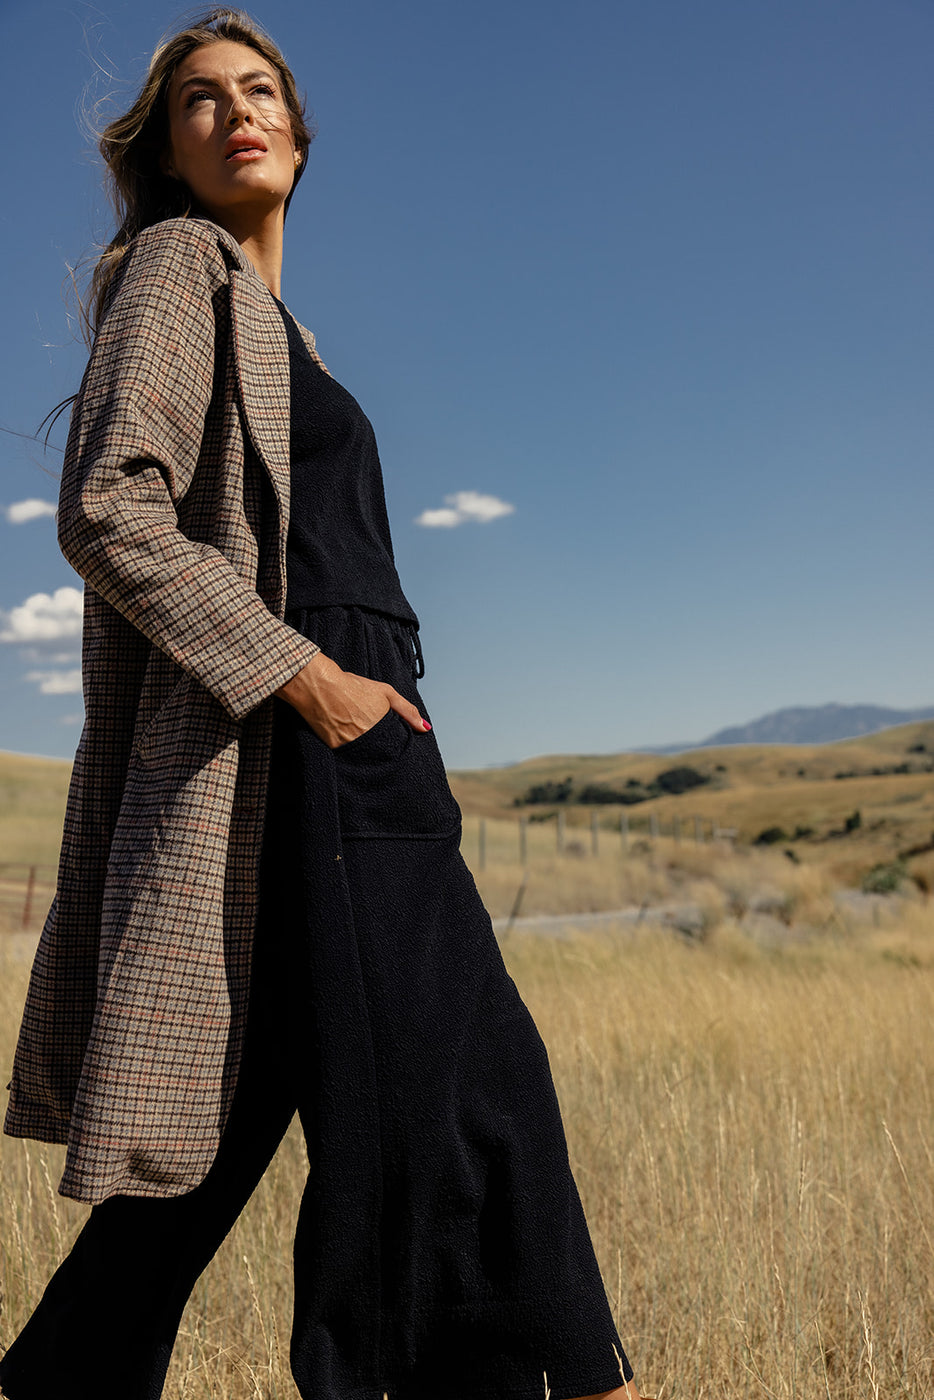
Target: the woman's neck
(261, 241)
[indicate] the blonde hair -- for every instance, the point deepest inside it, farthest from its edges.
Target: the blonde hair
(132, 146)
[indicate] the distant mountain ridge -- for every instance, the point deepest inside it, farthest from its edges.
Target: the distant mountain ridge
(815, 724)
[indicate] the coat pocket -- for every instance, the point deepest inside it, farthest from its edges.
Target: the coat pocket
(391, 783)
(157, 734)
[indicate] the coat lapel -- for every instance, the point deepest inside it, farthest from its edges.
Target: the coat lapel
(262, 359)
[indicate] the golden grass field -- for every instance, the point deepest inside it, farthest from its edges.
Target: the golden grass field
(753, 1136)
(750, 1110)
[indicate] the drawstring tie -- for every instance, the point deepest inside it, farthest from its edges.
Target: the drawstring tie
(418, 661)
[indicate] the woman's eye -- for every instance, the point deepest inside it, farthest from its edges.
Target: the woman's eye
(202, 94)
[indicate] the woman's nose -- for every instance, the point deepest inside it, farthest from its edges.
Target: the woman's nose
(239, 111)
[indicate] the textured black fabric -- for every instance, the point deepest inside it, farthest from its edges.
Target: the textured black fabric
(437, 1134)
(441, 1252)
(339, 545)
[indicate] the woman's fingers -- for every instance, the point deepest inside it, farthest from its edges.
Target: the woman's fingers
(407, 710)
(341, 706)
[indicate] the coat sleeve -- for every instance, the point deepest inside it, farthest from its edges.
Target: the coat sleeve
(132, 450)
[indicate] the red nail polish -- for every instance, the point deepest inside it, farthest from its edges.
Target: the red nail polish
(425, 724)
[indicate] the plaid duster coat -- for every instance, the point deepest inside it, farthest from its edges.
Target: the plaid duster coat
(174, 508)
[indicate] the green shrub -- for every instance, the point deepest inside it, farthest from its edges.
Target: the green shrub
(678, 780)
(770, 836)
(595, 793)
(546, 793)
(884, 878)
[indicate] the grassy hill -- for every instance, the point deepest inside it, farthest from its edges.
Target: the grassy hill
(32, 806)
(888, 778)
(811, 793)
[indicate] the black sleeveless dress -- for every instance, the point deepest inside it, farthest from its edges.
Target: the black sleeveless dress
(442, 1248)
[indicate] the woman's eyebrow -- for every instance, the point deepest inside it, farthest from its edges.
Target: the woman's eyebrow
(241, 78)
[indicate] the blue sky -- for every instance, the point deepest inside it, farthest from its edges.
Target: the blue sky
(655, 274)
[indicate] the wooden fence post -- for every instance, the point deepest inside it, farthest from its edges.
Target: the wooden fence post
(624, 829)
(30, 896)
(676, 828)
(560, 833)
(594, 833)
(653, 824)
(516, 904)
(481, 841)
(699, 830)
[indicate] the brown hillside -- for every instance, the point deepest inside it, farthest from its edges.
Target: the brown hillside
(750, 788)
(753, 787)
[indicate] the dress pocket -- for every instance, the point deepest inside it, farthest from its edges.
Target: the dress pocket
(391, 783)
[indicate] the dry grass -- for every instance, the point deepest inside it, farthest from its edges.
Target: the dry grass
(723, 881)
(752, 1137)
(749, 1118)
(32, 806)
(751, 1130)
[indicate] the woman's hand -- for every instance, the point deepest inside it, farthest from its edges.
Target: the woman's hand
(340, 706)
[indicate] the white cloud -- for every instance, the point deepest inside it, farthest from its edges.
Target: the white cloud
(444, 518)
(71, 719)
(44, 617)
(462, 508)
(56, 682)
(33, 509)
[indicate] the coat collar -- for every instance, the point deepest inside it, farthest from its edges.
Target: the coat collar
(237, 258)
(262, 360)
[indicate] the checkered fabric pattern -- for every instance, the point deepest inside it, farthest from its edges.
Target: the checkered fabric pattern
(174, 509)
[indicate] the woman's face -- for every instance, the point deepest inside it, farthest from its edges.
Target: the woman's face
(230, 136)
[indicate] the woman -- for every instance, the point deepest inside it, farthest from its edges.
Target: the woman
(261, 902)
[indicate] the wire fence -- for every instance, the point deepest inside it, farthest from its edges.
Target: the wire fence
(25, 895)
(515, 839)
(26, 891)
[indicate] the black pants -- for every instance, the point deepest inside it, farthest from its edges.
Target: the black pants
(106, 1325)
(441, 1250)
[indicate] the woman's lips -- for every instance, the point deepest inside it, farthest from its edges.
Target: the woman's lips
(247, 153)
